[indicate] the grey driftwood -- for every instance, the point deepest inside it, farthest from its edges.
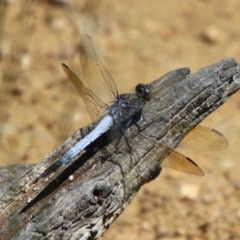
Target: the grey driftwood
(82, 199)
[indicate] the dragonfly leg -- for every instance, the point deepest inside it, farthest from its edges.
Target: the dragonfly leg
(123, 131)
(143, 117)
(126, 141)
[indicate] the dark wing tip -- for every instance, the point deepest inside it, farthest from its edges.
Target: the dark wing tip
(199, 171)
(64, 65)
(217, 132)
(224, 139)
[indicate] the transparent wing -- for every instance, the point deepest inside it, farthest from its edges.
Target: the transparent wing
(95, 75)
(174, 159)
(94, 106)
(204, 139)
(181, 163)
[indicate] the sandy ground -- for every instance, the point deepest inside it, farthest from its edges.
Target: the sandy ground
(138, 41)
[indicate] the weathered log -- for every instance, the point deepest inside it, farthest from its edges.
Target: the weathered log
(82, 199)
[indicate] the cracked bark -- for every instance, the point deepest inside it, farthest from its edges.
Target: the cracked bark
(82, 199)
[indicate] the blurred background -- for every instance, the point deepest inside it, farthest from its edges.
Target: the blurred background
(138, 41)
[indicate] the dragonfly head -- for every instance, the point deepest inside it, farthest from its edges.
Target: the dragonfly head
(143, 91)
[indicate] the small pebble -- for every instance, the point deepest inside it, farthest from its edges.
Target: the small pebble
(211, 34)
(190, 191)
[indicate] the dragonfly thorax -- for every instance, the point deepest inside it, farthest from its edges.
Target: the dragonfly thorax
(125, 107)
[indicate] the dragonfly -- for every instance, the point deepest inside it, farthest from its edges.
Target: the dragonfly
(100, 95)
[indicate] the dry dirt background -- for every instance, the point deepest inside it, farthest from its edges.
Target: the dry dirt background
(138, 41)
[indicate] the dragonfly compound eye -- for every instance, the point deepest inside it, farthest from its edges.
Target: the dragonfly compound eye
(143, 91)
